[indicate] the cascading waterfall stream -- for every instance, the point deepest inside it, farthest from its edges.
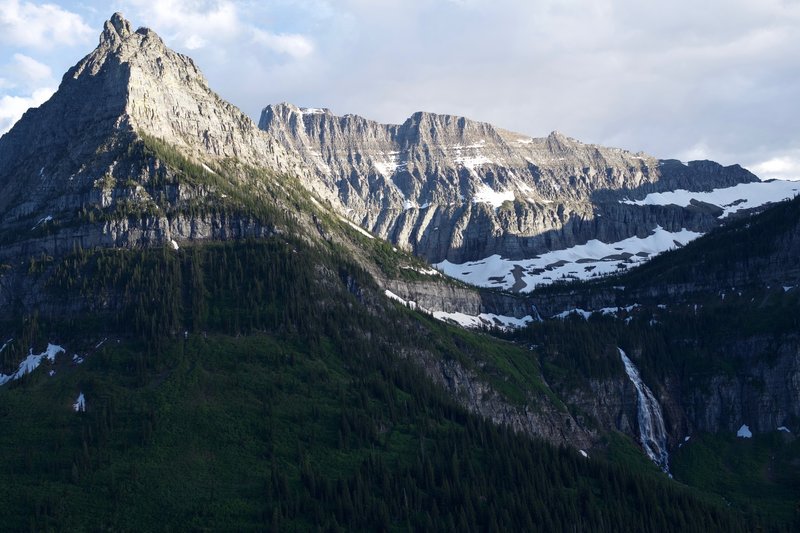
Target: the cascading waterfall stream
(652, 433)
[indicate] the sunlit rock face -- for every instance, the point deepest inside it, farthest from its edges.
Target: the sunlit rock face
(451, 188)
(73, 172)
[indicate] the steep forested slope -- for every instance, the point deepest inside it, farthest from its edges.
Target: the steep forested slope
(236, 387)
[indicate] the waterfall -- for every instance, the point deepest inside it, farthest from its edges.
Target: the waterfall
(651, 421)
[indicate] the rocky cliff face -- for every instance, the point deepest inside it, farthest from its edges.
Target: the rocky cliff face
(763, 394)
(440, 295)
(82, 150)
(450, 188)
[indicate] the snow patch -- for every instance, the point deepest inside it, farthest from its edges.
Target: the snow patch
(606, 311)
(473, 161)
(358, 228)
(43, 220)
(484, 320)
(80, 404)
(386, 169)
(408, 303)
(580, 312)
(423, 271)
(744, 432)
(174, 244)
(730, 199)
(208, 169)
(487, 195)
(390, 165)
(583, 453)
(392, 296)
(583, 261)
(32, 362)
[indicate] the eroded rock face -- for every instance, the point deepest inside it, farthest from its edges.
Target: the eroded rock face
(541, 418)
(438, 295)
(450, 188)
(78, 151)
(762, 394)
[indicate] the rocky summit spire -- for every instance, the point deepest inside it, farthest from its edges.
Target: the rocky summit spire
(76, 149)
(115, 29)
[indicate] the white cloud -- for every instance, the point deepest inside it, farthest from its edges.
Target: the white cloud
(187, 18)
(194, 42)
(699, 151)
(190, 22)
(42, 26)
(296, 46)
(30, 69)
(13, 107)
(464, 3)
(198, 24)
(786, 167)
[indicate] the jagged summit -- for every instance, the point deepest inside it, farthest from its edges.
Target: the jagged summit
(133, 78)
(116, 28)
(74, 152)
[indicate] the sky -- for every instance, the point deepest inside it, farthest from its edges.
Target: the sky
(718, 79)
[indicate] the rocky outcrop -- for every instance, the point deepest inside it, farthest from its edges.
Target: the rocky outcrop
(137, 233)
(760, 389)
(545, 420)
(450, 188)
(439, 294)
(541, 417)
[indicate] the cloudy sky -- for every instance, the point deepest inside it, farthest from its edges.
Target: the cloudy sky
(718, 79)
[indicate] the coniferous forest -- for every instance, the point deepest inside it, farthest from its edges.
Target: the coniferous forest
(236, 386)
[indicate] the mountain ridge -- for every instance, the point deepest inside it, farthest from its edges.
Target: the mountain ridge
(447, 187)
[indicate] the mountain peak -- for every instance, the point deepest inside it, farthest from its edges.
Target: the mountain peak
(127, 47)
(131, 85)
(115, 29)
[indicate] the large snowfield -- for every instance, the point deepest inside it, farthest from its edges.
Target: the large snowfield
(596, 258)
